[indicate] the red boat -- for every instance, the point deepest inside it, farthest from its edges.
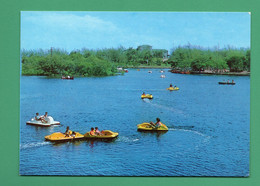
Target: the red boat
(67, 77)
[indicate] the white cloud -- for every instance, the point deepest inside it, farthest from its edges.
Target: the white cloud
(64, 30)
(52, 20)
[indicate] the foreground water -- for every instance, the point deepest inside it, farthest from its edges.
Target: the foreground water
(208, 125)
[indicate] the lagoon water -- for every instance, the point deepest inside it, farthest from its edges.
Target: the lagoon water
(208, 125)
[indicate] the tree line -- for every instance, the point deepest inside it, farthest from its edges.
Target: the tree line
(196, 58)
(104, 62)
(85, 62)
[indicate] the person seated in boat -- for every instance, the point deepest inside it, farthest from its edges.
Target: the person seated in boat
(175, 86)
(97, 132)
(68, 77)
(39, 118)
(92, 132)
(67, 132)
(228, 81)
(45, 116)
(73, 134)
(143, 94)
(170, 85)
(157, 124)
(233, 81)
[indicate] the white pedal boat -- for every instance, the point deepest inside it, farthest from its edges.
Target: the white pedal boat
(49, 119)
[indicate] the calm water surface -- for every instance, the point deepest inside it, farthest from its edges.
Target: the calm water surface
(208, 125)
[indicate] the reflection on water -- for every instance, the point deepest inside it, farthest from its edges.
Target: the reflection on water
(153, 133)
(208, 125)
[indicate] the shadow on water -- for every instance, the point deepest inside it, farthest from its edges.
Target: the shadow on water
(76, 143)
(91, 142)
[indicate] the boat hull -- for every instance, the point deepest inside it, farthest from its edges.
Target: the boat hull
(172, 88)
(148, 127)
(148, 96)
(60, 137)
(225, 83)
(42, 124)
(106, 135)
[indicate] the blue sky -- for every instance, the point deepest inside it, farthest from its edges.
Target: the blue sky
(162, 30)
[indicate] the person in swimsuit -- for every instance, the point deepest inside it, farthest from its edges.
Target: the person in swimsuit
(73, 134)
(39, 118)
(92, 132)
(67, 132)
(157, 124)
(97, 132)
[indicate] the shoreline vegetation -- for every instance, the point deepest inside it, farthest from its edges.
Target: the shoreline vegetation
(187, 59)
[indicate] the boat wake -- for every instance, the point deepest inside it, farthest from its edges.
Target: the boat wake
(192, 131)
(206, 137)
(164, 107)
(127, 139)
(32, 145)
(187, 130)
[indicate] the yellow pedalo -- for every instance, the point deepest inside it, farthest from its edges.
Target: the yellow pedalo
(60, 137)
(148, 96)
(172, 88)
(149, 127)
(105, 134)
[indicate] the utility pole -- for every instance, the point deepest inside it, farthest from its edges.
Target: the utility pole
(51, 51)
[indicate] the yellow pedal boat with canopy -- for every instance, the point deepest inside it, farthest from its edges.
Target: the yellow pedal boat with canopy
(60, 137)
(149, 127)
(173, 88)
(148, 96)
(105, 134)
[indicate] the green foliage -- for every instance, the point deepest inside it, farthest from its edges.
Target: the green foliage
(57, 64)
(197, 59)
(104, 62)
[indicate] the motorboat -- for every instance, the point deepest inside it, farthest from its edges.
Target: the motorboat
(49, 122)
